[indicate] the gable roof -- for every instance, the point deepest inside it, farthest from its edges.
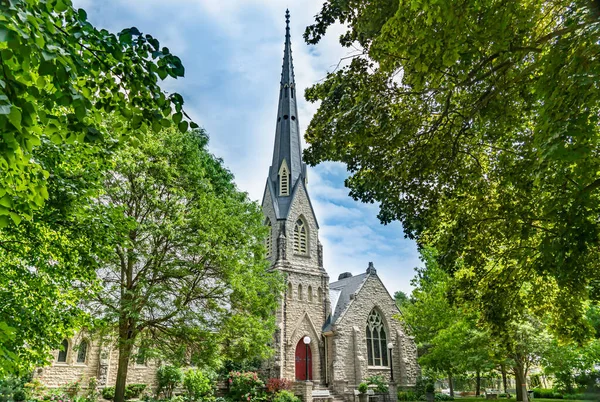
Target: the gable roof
(340, 293)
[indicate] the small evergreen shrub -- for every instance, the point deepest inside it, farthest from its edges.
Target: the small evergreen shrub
(19, 395)
(443, 397)
(108, 393)
(285, 396)
(363, 387)
(133, 391)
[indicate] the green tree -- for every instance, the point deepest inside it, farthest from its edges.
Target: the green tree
(475, 123)
(60, 80)
(59, 76)
(448, 337)
(48, 263)
(400, 297)
(187, 270)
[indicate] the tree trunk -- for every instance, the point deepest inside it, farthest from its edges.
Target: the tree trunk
(450, 385)
(504, 380)
(521, 384)
(126, 338)
(478, 383)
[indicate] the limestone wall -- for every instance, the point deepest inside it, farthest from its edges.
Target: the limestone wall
(350, 350)
(101, 362)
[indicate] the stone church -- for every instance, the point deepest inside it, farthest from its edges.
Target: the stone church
(332, 334)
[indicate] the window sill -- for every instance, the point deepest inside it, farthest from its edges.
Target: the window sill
(61, 364)
(303, 255)
(382, 368)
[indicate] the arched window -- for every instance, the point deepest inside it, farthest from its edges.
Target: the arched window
(376, 340)
(284, 177)
(82, 352)
(309, 296)
(299, 292)
(320, 295)
(300, 237)
(269, 239)
(62, 353)
(290, 291)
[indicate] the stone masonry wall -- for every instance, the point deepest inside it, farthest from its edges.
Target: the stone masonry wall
(350, 350)
(59, 374)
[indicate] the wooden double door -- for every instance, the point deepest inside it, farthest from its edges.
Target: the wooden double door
(303, 361)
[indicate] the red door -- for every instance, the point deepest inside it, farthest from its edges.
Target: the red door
(303, 358)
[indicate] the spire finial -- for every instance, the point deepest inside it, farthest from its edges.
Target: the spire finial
(287, 17)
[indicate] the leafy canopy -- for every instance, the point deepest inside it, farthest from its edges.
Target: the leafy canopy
(59, 78)
(475, 123)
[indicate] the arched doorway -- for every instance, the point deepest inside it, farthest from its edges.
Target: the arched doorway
(303, 359)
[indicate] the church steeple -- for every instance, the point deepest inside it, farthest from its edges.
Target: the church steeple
(287, 152)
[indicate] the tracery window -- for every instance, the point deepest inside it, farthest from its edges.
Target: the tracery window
(376, 340)
(82, 352)
(62, 354)
(299, 292)
(300, 237)
(269, 240)
(309, 295)
(140, 359)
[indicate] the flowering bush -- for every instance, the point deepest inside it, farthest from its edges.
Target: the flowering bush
(274, 385)
(245, 386)
(57, 395)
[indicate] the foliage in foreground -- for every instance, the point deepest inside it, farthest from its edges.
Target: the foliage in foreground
(475, 124)
(61, 80)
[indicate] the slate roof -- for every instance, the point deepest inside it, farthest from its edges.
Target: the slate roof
(287, 133)
(339, 295)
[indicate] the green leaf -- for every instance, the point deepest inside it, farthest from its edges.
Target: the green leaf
(15, 117)
(177, 117)
(183, 126)
(61, 6)
(6, 201)
(15, 217)
(4, 221)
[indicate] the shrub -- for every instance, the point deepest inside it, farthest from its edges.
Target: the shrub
(168, 378)
(379, 383)
(198, 386)
(245, 386)
(285, 396)
(546, 393)
(108, 393)
(443, 397)
(363, 387)
(133, 391)
(274, 385)
(407, 396)
(19, 395)
(72, 388)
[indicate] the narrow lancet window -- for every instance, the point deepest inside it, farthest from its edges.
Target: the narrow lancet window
(284, 179)
(300, 237)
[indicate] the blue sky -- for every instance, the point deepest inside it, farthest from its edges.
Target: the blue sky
(232, 51)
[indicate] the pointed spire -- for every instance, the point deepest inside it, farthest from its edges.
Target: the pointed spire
(287, 134)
